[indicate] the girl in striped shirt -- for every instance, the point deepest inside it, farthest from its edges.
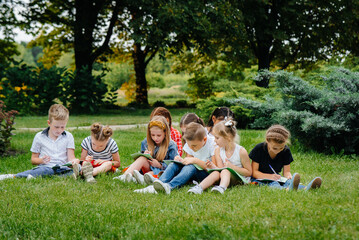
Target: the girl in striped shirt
(100, 150)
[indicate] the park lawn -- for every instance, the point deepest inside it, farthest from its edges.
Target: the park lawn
(62, 208)
(107, 117)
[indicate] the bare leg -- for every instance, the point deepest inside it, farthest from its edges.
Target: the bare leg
(140, 163)
(105, 167)
(225, 178)
(210, 180)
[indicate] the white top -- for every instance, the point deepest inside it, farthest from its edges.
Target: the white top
(106, 154)
(55, 149)
(235, 159)
(206, 152)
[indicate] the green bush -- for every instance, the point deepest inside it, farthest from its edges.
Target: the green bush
(324, 118)
(118, 74)
(84, 92)
(242, 115)
(155, 80)
(6, 127)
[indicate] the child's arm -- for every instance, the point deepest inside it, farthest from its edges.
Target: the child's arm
(246, 170)
(217, 161)
(85, 157)
(71, 156)
(259, 175)
(286, 172)
(36, 160)
(189, 159)
(116, 160)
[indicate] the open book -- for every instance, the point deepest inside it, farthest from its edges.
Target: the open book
(139, 154)
(282, 180)
(236, 174)
(171, 161)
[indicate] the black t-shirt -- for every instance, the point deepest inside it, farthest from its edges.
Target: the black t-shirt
(260, 155)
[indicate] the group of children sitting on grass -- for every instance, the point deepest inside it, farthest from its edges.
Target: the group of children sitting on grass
(210, 154)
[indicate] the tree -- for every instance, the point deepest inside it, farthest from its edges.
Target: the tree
(156, 26)
(8, 20)
(83, 25)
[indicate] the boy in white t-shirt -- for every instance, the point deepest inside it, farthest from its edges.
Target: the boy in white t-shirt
(51, 148)
(199, 148)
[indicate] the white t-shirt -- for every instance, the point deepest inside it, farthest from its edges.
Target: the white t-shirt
(55, 149)
(235, 159)
(206, 152)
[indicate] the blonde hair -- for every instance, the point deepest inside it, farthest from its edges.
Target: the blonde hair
(226, 129)
(161, 123)
(278, 134)
(58, 112)
(194, 131)
(100, 132)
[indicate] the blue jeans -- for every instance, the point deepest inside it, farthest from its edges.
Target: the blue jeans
(45, 171)
(275, 184)
(177, 175)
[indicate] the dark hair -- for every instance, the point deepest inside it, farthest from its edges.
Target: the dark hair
(220, 113)
(189, 118)
(161, 111)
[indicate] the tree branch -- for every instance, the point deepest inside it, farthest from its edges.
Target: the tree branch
(104, 46)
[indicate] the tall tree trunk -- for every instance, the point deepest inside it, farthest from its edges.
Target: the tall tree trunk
(139, 58)
(83, 34)
(264, 60)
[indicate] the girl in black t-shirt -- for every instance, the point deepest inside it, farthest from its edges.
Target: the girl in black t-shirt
(273, 155)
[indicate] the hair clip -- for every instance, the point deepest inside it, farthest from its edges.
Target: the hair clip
(229, 123)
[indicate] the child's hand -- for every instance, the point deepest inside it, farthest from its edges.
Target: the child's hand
(46, 159)
(210, 164)
(98, 161)
(178, 158)
(187, 161)
(155, 163)
(88, 158)
(288, 175)
(228, 164)
(147, 152)
(75, 161)
(276, 177)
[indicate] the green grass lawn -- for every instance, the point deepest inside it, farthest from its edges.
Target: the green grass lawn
(62, 208)
(110, 117)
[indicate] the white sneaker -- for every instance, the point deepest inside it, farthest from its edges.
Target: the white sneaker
(87, 171)
(196, 189)
(6, 176)
(29, 177)
(139, 177)
(149, 189)
(122, 178)
(149, 179)
(129, 178)
(162, 187)
(76, 170)
(219, 189)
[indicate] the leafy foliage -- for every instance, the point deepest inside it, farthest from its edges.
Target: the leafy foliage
(6, 127)
(325, 118)
(84, 92)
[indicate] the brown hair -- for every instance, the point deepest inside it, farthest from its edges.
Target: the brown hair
(161, 123)
(58, 112)
(100, 132)
(161, 111)
(278, 134)
(189, 118)
(226, 129)
(220, 113)
(194, 131)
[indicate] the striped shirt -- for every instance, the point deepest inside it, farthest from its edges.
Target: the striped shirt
(106, 154)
